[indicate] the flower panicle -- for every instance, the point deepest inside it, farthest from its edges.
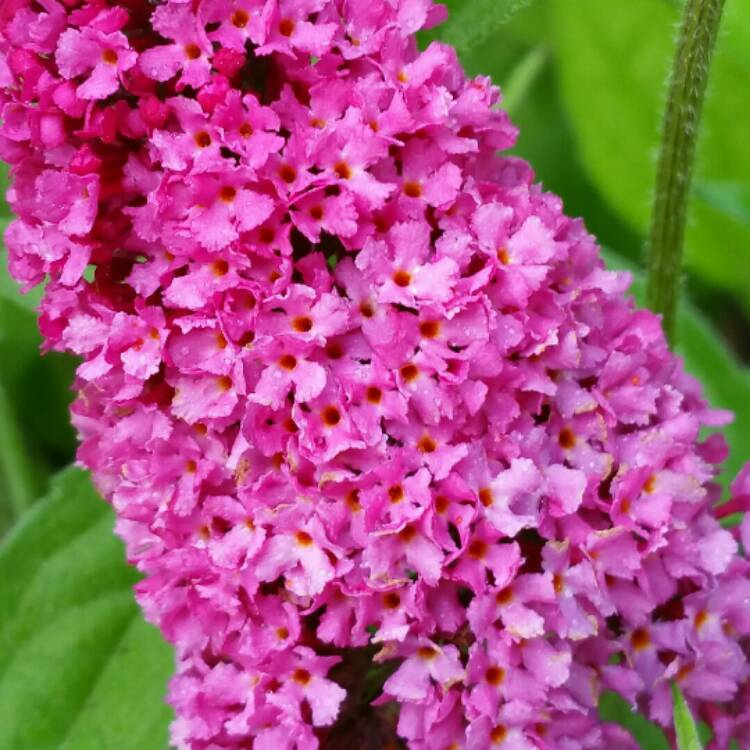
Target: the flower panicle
(397, 457)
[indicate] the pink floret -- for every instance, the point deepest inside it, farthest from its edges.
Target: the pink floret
(99, 57)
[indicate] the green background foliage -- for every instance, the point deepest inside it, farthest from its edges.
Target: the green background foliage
(79, 667)
(585, 81)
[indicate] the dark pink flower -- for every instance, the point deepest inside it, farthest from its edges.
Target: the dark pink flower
(101, 58)
(190, 51)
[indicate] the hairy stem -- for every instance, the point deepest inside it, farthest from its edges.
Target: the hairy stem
(700, 23)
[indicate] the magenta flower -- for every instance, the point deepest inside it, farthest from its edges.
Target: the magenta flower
(190, 51)
(101, 58)
(392, 449)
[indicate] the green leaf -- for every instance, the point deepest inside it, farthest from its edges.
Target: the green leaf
(20, 482)
(517, 57)
(10, 293)
(731, 198)
(21, 475)
(4, 210)
(684, 724)
(79, 668)
(523, 77)
(37, 389)
(471, 22)
(612, 63)
(615, 709)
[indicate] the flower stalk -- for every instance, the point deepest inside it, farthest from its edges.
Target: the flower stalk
(700, 23)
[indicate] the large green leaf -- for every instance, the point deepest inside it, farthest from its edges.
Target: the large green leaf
(20, 478)
(35, 431)
(612, 61)
(732, 198)
(79, 668)
(21, 470)
(4, 211)
(40, 387)
(517, 55)
(726, 382)
(470, 22)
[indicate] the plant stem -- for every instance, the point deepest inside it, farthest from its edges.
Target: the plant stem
(700, 23)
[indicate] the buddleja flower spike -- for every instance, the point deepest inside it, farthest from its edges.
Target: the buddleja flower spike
(398, 459)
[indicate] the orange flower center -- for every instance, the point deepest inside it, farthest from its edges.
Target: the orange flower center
(567, 438)
(286, 27)
(391, 600)
(640, 639)
(301, 676)
(426, 444)
(227, 193)
(396, 493)
(287, 173)
(402, 278)
(374, 394)
(331, 416)
(193, 51)
(202, 139)
(220, 268)
(485, 496)
(477, 549)
(302, 324)
(343, 170)
(429, 328)
(240, 18)
(413, 189)
(494, 675)
(409, 372)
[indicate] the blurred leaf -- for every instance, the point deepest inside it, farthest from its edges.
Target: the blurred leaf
(732, 198)
(613, 60)
(4, 210)
(20, 481)
(523, 77)
(684, 724)
(79, 668)
(10, 292)
(726, 382)
(470, 22)
(39, 386)
(615, 709)
(545, 138)
(21, 475)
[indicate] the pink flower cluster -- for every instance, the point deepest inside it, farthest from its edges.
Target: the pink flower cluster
(401, 464)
